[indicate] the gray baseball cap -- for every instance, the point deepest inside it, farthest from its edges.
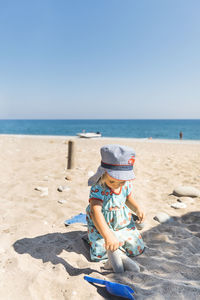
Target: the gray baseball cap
(117, 161)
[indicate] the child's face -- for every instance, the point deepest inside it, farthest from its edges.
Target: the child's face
(113, 183)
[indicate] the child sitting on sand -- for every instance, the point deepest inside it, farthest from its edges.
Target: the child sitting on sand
(109, 216)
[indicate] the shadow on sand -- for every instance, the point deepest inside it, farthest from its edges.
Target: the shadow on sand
(170, 261)
(48, 247)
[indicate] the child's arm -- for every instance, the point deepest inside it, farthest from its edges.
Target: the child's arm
(130, 202)
(111, 242)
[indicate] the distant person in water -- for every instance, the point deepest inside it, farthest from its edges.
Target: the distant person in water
(181, 135)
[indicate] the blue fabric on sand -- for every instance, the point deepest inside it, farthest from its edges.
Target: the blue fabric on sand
(80, 218)
(119, 219)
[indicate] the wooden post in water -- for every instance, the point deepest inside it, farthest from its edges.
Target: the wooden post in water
(71, 155)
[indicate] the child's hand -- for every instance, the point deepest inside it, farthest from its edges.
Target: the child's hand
(111, 242)
(140, 215)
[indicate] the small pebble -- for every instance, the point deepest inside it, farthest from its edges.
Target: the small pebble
(62, 188)
(162, 217)
(62, 201)
(41, 189)
(178, 205)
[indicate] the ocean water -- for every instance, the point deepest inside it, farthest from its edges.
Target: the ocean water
(157, 129)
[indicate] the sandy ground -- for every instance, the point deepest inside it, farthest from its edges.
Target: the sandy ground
(41, 258)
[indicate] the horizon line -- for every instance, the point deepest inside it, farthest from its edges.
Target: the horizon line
(93, 119)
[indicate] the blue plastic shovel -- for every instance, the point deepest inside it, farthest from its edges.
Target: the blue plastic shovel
(113, 288)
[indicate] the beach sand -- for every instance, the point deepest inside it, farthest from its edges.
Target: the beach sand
(41, 258)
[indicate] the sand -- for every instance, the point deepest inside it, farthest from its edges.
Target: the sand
(41, 258)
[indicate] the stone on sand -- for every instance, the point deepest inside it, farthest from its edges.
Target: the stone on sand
(62, 201)
(41, 189)
(178, 205)
(187, 191)
(162, 217)
(62, 188)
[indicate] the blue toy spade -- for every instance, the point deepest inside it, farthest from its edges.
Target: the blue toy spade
(113, 288)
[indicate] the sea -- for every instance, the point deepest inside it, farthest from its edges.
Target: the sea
(125, 128)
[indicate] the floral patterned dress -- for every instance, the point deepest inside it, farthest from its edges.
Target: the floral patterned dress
(119, 219)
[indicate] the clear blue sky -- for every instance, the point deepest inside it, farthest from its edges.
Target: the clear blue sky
(99, 59)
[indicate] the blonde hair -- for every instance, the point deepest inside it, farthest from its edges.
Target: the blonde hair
(101, 180)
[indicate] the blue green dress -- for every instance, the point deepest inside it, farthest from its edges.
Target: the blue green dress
(119, 219)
